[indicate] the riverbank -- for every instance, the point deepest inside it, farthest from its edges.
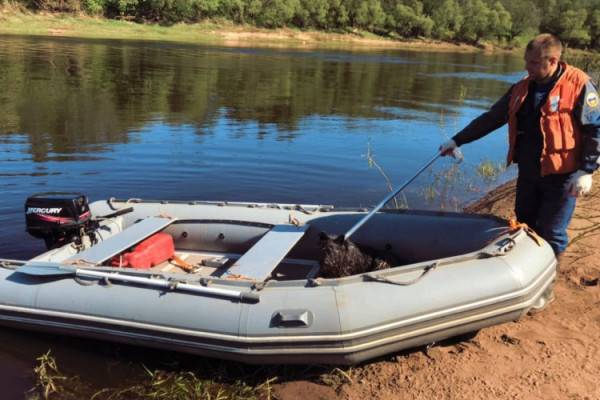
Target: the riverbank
(223, 33)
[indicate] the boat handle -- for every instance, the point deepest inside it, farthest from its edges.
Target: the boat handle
(292, 319)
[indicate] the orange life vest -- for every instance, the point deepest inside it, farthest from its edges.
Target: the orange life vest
(562, 144)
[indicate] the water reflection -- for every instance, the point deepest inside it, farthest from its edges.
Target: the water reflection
(66, 94)
(507, 78)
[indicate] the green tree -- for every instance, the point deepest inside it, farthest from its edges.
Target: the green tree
(476, 14)
(93, 7)
(166, 11)
(566, 19)
(234, 10)
(525, 16)
(572, 27)
(408, 19)
(594, 23)
(448, 19)
(117, 7)
(273, 13)
(312, 13)
(367, 14)
(500, 21)
(206, 8)
(550, 12)
(338, 15)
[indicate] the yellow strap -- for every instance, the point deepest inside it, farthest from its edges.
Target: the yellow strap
(514, 225)
(238, 277)
(182, 264)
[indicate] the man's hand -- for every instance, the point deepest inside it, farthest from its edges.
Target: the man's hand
(447, 148)
(580, 183)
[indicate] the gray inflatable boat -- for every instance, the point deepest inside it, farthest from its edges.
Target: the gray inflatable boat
(245, 284)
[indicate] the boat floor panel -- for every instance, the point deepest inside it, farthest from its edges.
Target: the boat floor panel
(216, 264)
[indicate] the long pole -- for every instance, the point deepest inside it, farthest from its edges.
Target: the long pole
(389, 197)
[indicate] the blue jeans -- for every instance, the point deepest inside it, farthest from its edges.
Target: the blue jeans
(545, 205)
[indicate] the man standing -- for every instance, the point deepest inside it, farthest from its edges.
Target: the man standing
(553, 118)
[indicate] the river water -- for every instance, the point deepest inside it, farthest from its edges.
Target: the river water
(162, 121)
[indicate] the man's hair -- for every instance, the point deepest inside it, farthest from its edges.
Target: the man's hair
(547, 44)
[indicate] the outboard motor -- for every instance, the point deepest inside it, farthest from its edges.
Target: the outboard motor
(57, 217)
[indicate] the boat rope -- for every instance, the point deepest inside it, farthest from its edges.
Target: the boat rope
(383, 279)
(184, 265)
(92, 281)
(80, 261)
(298, 207)
(84, 282)
(238, 277)
(110, 203)
(164, 214)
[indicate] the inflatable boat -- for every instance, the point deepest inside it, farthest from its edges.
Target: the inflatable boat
(242, 281)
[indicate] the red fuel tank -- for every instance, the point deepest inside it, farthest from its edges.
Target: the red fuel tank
(152, 251)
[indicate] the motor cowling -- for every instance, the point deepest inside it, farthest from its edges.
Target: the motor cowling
(57, 217)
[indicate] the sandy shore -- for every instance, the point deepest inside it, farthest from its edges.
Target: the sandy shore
(554, 354)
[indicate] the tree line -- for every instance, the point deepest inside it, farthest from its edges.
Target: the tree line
(577, 22)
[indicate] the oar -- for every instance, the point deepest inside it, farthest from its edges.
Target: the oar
(54, 269)
(42, 268)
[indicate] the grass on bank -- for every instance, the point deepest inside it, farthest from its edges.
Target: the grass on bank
(15, 20)
(51, 383)
(202, 379)
(66, 25)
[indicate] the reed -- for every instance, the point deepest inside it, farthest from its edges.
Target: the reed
(489, 171)
(337, 377)
(372, 163)
(183, 385)
(49, 380)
